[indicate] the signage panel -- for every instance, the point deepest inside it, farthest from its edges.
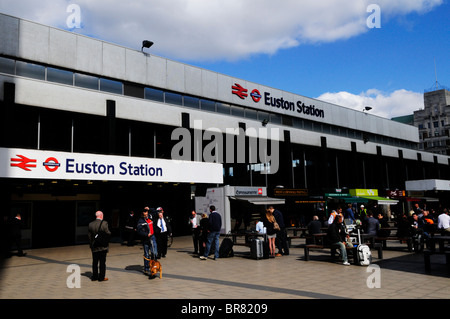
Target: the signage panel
(25, 163)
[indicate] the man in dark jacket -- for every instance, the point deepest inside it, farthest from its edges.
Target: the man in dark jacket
(337, 235)
(97, 229)
(215, 224)
(147, 235)
(281, 239)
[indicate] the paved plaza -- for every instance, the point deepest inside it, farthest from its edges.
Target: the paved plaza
(44, 274)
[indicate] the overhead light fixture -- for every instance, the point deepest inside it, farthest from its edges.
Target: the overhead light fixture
(264, 122)
(367, 108)
(146, 44)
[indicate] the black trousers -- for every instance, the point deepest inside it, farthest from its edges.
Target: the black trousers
(99, 265)
(281, 242)
(196, 239)
(161, 242)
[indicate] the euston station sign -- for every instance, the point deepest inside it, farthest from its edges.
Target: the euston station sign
(25, 163)
(278, 102)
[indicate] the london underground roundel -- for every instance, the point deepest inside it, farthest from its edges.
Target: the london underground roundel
(51, 164)
(256, 96)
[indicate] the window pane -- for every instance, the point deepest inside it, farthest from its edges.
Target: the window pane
(59, 76)
(251, 114)
(111, 86)
(222, 108)
(154, 95)
(208, 105)
(173, 98)
(30, 70)
(237, 111)
(86, 81)
(190, 101)
(6, 65)
(275, 118)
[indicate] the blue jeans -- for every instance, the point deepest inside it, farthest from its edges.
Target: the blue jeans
(150, 251)
(213, 236)
(343, 250)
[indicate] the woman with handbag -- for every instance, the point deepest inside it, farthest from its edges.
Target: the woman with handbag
(271, 230)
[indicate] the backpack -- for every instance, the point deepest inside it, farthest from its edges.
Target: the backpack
(364, 255)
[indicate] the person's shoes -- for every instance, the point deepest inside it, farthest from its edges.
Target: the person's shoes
(94, 278)
(278, 255)
(346, 263)
(203, 258)
(104, 279)
(146, 272)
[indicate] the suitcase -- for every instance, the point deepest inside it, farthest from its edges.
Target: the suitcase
(257, 249)
(364, 255)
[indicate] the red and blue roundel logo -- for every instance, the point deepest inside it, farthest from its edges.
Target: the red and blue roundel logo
(256, 96)
(51, 164)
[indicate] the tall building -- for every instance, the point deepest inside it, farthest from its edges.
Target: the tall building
(434, 122)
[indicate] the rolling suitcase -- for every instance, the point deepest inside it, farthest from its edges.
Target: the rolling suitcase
(256, 249)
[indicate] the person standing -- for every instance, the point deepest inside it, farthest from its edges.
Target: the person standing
(194, 222)
(281, 239)
(16, 226)
(146, 232)
(98, 234)
(204, 224)
(162, 232)
(215, 224)
(269, 221)
(130, 228)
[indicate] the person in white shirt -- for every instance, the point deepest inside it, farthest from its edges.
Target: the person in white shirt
(194, 221)
(162, 231)
(444, 220)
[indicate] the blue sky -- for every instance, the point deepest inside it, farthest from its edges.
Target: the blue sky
(319, 49)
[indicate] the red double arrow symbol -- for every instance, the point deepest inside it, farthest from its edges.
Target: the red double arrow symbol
(23, 162)
(239, 91)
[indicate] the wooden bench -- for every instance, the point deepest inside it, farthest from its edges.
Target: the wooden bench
(307, 248)
(427, 258)
(408, 240)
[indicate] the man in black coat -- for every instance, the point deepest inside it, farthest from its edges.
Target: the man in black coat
(99, 228)
(281, 239)
(15, 228)
(337, 235)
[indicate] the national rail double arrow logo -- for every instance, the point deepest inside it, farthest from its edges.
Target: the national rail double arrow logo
(23, 162)
(239, 91)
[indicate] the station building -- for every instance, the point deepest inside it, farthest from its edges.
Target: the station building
(88, 125)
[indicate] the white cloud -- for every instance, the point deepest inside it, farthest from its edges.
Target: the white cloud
(387, 105)
(215, 29)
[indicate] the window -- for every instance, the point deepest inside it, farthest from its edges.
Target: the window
(251, 114)
(222, 108)
(275, 118)
(110, 86)
(59, 76)
(86, 81)
(30, 70)
(154, 95)
(173, 98)
(237, 111)
(6, 66)
(192, 102)
(208, 105)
